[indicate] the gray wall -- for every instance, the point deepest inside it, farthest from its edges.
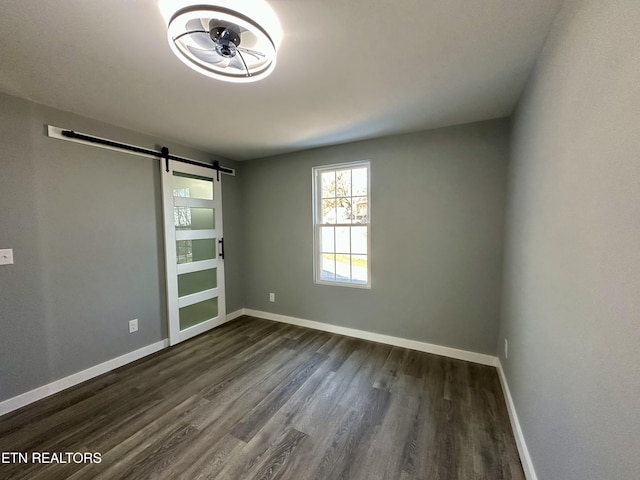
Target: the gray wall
(572, 281)
(437, 213)
(85, 226)
(232, 206)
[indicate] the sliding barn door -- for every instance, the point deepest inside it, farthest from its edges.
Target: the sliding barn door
(194, 249)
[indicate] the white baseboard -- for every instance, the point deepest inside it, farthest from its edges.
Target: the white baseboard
(41, 392)
(377, 337)
(234, 315)
(525, 458)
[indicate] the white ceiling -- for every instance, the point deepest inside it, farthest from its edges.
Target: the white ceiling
(347, 69)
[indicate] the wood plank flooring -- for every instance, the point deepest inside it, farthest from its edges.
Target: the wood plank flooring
(255, 399)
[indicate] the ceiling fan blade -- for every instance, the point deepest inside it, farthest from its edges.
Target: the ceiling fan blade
(253, 53)
(237, 63)
(201, 38)
(194, 24)
(207, 56)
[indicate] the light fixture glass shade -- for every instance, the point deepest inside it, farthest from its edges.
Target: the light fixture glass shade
(222, 43)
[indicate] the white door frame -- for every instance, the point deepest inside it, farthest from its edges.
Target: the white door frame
(172, 269)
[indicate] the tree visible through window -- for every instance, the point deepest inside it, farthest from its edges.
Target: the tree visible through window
(341, 224)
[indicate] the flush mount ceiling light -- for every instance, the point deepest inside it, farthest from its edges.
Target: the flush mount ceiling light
(222, 43)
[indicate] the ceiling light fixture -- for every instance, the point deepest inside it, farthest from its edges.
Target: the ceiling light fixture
(222, 42)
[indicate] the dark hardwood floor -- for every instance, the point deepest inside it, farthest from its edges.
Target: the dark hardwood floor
(255, 399)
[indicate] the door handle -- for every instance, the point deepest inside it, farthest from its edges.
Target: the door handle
(221, 249)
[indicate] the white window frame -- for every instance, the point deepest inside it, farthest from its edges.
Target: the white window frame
(317, 218)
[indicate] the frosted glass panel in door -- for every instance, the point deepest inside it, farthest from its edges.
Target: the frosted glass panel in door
(188, 251)
(198, 313)
(189, 283)
(191, 186)
(194, 218)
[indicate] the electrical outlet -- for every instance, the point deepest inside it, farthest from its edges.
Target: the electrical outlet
(133, 325)
(6, 256)
(506, 348)
(272, 297)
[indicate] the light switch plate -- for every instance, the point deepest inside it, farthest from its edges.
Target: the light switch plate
(6, 256)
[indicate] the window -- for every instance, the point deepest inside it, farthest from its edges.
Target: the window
(341, 224)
